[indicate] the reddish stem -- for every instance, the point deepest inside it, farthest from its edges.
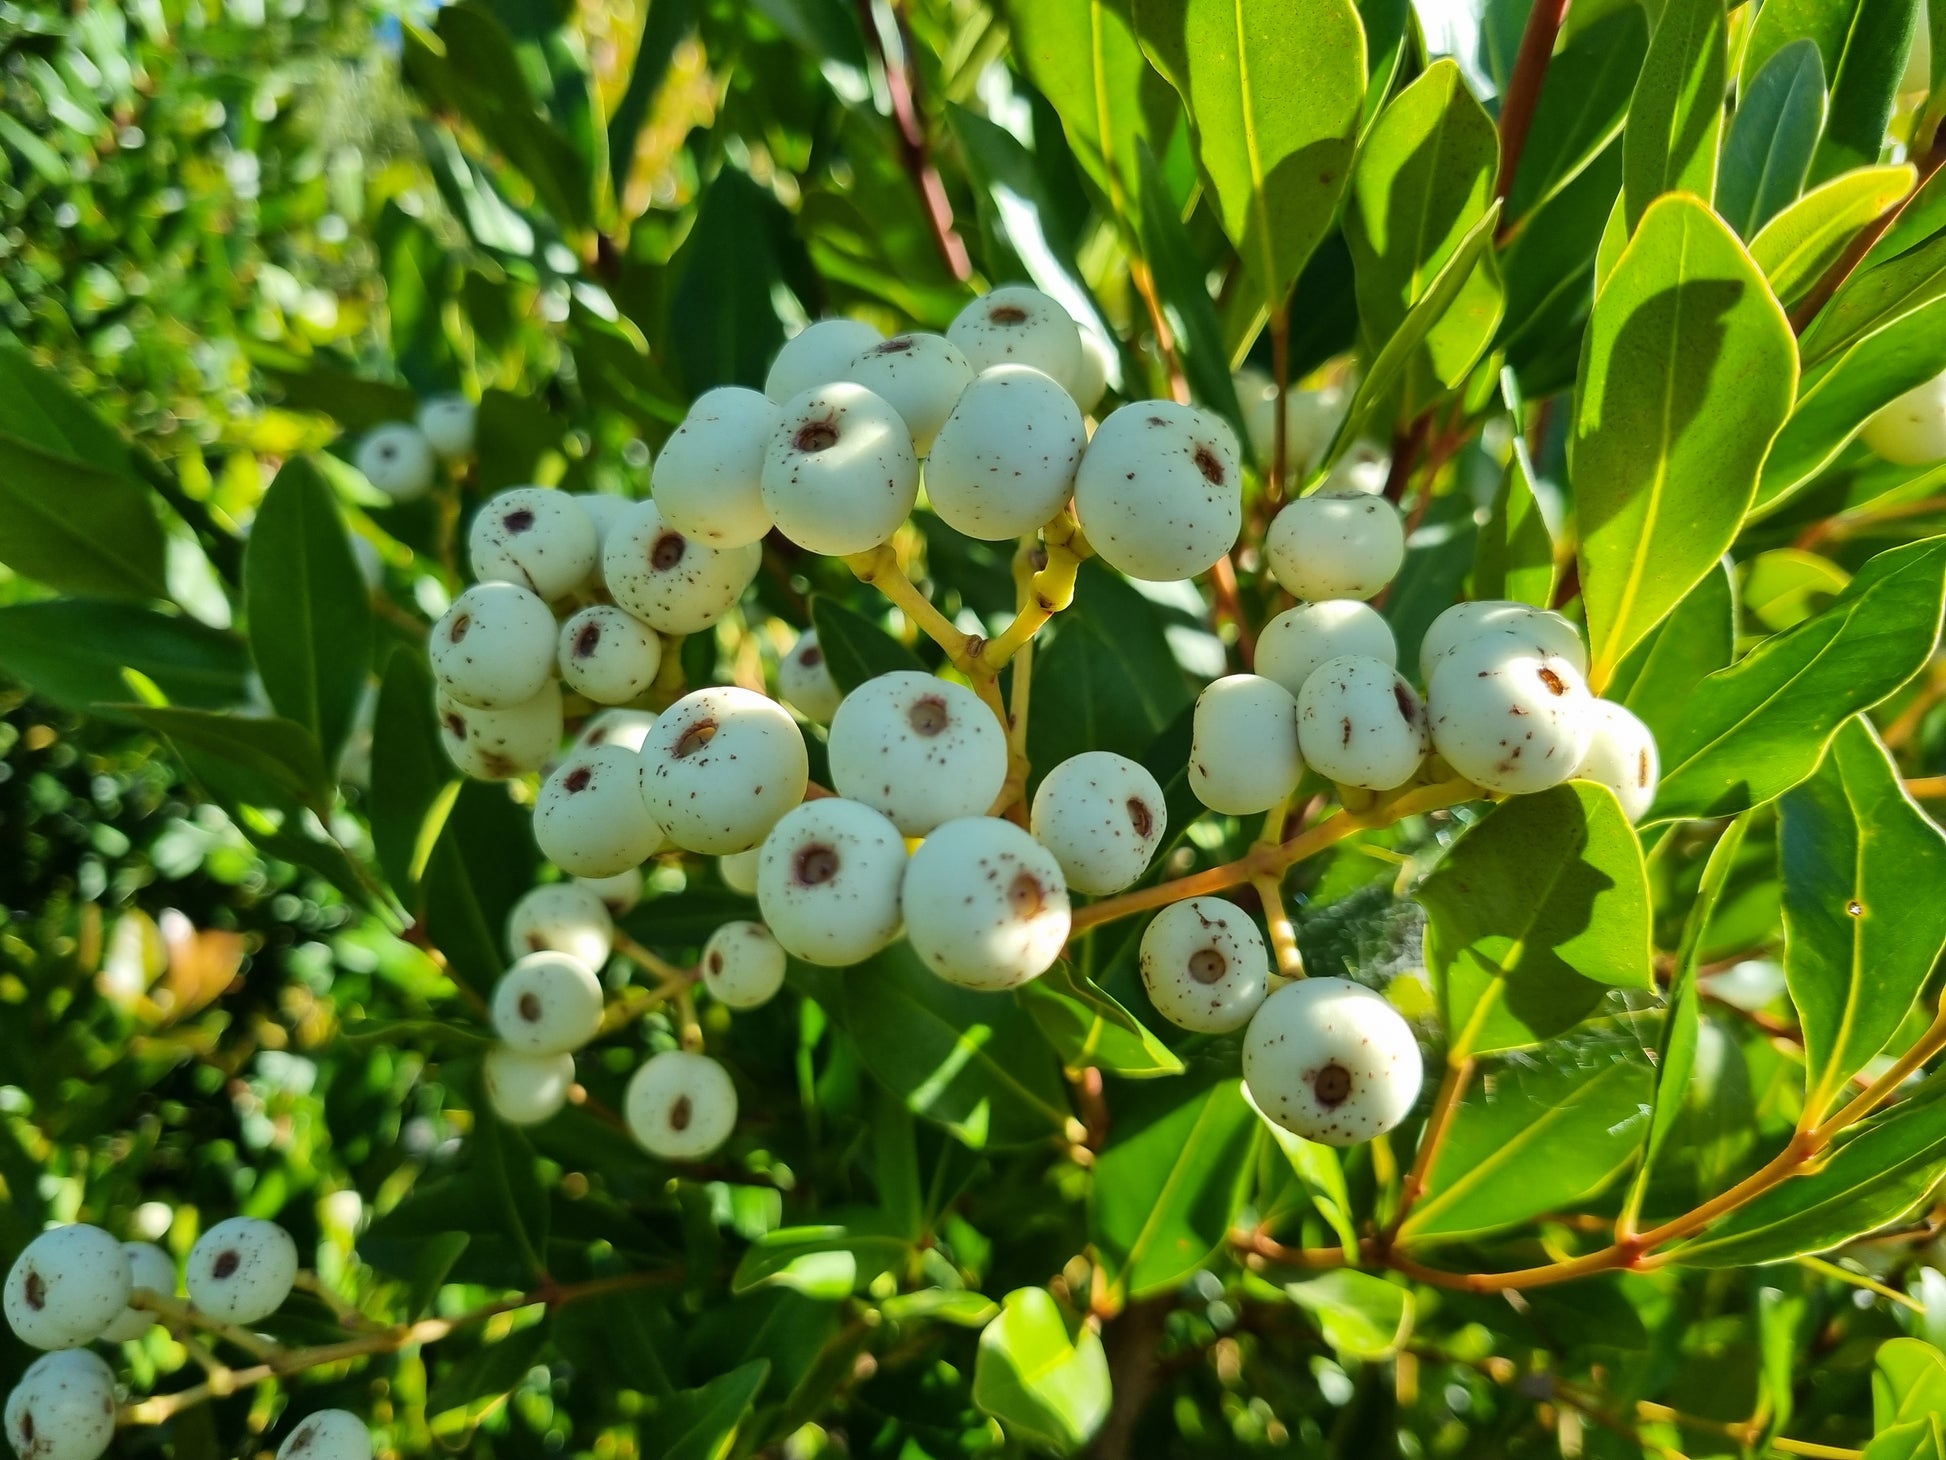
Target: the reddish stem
(902, 83)
(1524, 91)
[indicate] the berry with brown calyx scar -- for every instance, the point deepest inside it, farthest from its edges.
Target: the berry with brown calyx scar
(1204, 965)
(1332, 1061)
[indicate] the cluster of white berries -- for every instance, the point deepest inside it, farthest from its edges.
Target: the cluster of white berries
(401, 458)
(76, 1285)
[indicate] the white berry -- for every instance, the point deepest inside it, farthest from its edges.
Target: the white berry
(840, 474)
(397, 459)
(739, 870)
(605, 510)
(920, 376)
(66, 1286)
(241, 1270)
(1243, 752)
(591, 819)
(1298, 640)
(986, 906)
(1016, 325)
(1005, 460)
(708, 479)
(1099, 364)
(561, 917)
(448, 422)
(681, 1106)
(1333, 546)
(1159, 491)
(328, 1434)
(526, 1089)
(1912, 429)
(743, 965)
(547, 1003)
(494, 647)
(921, 749)
(1332, 1061)
(152, 1270)
(1360, 724)
(1102, 816)
(608, 655)
(1364, 470)
(817, 355)
(1204, 965)
(669, 581)
(1543, 629)
(720, 767)
(536, 537)
(496, 745)
(1622, 756)
(828, 882)
(619, 891)
(626, 728)
(63, 1408)
(1507, 717)
(804, 680)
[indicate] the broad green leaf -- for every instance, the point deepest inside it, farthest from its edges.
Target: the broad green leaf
(1169, 1182)
(1785, 586)
(1536, 911)
(723, 313)
(855, 649)
(307, 607)
(1863, 919)
(1583, 102)
(702, 1424)
(280, 754)
(1865, 85)
(521, 1205)
(1697, 639)
(1322, 1172)
(72, 651)
(1675, 116)
(1800, 243)
(941, 1305)
(437, 1256)
(1883, 289)
(1614, 240)
(1922, 1439)
(821, 1262)
(481, 863)
(1515, 555)
(411, 773)
(1388, 26)
(1042, 1375)
(1688, 369)
(1108, 680)
(1549, 266)
(1275, 90)
(1778, 119)
(1908, 1382)
(490, 1372)
(1182, 284)
(1873, 1178)
(1361, 1315)
(1088, 1027)
(1752, 731)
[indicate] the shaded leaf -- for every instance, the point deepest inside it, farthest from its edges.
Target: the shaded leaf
(1042, 1375)
(411, 774)
(855, 649)
(72, 651)
(1088, 1027)
(1675, 116)
(1767, 155)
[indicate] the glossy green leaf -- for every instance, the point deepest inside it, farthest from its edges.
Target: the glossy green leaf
(1767, 154)
(1321, 1171)
(1865, 85)
(1675, 117)
(1088, 1027)
(1182, 285)
(1804, 240)
(1584, 100)
(520, 1205)
(1752, 731)
(856, 649)
(1042, 1375)
(1361, 1315)
(437, 1256)
(1908, 1382)
(1697, 639)
(411, 772)
(1920, 1439)
(1514, 558)
(280, 754)
(490, 1372)
(1108, 680)
(1169, 1182)
(1688, 369)
(702, 1424)
(1549, 267)
(72, 651)
(1785, 586)
(1532, 915)
(941, 1305)
(821, 1262)
(481, 862)
(1862, 919)
(723, 313)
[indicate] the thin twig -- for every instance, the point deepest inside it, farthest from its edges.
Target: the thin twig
(1524, 93)
(915, 150)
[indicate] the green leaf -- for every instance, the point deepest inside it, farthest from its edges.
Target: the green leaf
(829, 1262)
(1922, 1439)
(702, 1424)
(509, 1176)
(411, 774)
(1042, 1375)
(941, 1305)
(280, 754)
(1549, 264)
(1275, 90)
(856, 649)
(480, 865)
(490, 1372)
(1108, 680)
(1320, 1170)
(1088, 1027)
(723, 312)
(1697, 639)
(1772, 137)
(1688, 369)
(1862, 919)
(1361, 1315)
(307, 606)
(1800, 243)
(437, 1254)
(1181, 282)
(1514, 557)
(1584, 100)
(1785, 586)
(1675, 116)
(1752, 731)
(1908, 1382)
(1865, 85)
(1169, 1182)
(1536, 911)
(72, 651)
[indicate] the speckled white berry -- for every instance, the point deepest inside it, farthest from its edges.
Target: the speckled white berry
(328, 1434)
(1005, 460)
(66, 1286)
(743, 965)
(986, 906)
(1102, 816)
(494, 647)
(1363, 471)
(497, 745)
(397, 459)
(1912, 429)
(1360, 724)
(1243, 752)
(920, 376)
(921, 749)
(152, 1270)
(1311, 419)
(242, 1269)
(591, 819)
(840, 474)
(1622, 756)
(1204, 965)
(681, 1106)
(1332, 1061)
(817, 355)
(608, 655)
(63, 1408)
(1299, 639)
(547, 1003)
(536, 537)
(669, 581)
(1335, 546)
(449, 422)
(626, 728)
(1016, 325)
(708, 480)
(804, 680)
(618, 892)
(1507, 717)
(1099, 364)
(828, 881)
(526, 1089)
(1543, 629)
(739, 870)
(561, 917)
(1160, 491)
(720, 767)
